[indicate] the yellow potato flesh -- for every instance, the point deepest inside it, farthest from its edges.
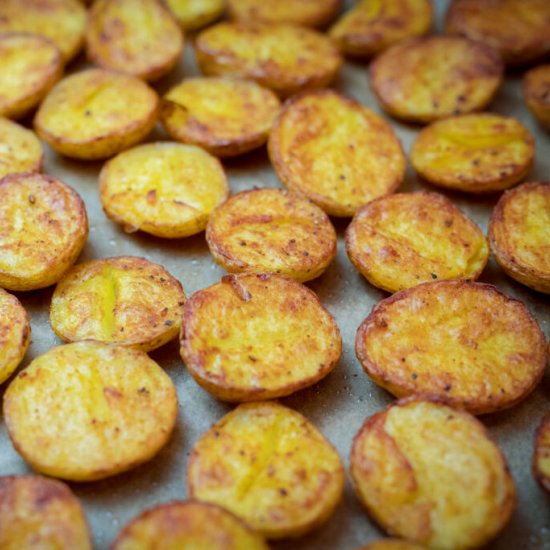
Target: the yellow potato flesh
(20, 149)
(193, 14)
(541, 456)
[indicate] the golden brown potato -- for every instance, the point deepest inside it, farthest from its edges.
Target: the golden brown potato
(270, 466)
(254, 337)
(425, 79)
(430, 474)
(189, 525)
(42, 514)
(518, 29)
(194, 14)
(519, 234)
(541, 455)
(286, 58)
(136, 37)
(392, 544)
(153, 188)
(371, 26)
(95, 114)
(31, 65)
(402, 240)
(335, 151)
(44, 228)
(271, 231)
(89, 410)
(461, 341)
(536, 91)
(227, 117)
(474, 153)
(127, 301)
(20, 149)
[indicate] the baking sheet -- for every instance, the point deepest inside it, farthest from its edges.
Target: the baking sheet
(339, 404)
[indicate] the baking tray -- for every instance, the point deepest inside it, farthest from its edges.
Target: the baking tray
(339, 404)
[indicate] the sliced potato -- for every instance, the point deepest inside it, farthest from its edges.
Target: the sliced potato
(425, 79)
(127, 301)
(541, 455)
(270, 466)
(335, 151)
(253, 337)
(44, 228)
(271, 231)
(42, 514)
(189, 525)
(227, 117)
(519, 233)
(460, 341)
(429, 473)
(95, 114)
(194, 14)
(474, 153)
(88, 410)
(536, 91)
(20, 149)
(153, 188)
(392, 544)
(136, 37)
(372, 26)
(286, 58)
(402, 240)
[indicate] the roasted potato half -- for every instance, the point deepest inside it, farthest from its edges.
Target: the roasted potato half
(165, 189)
(286, 58)
(463, 77)
(227, 117)
(541, 454)
(271, 231)
(474, 153)
(42, 514)
(20, 149)
(402, 240)
(189, 525)
(430, 474)
(271, 467)
(460, 341)
(95, 114)
(392, 544)
(194, 14)
(335, 151)
(89, 410)
(44, 228)
(519, 234)
(536, 91)
(127, 301)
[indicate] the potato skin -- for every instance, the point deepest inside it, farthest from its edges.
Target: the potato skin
(194, 14)
(20, 149)
(392, 544)
(518, 234)
(541, 453)
(461, 341)
(429, 473)
(536, 92)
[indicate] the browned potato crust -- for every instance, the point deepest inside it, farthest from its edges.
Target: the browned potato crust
(518, 29)
(42, 514)
(536, 91)
(335, 151)
(519, 234)
(541, 454)
(402, 240)
(20, 149)
(463, 77)
(44, 228)
(392, 544)
(465, 342)
(271, 231)
(194, 14)
(429, 473)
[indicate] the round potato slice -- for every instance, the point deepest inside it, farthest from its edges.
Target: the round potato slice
(37, 512)
(20, 149)
(127, 301)
(429, 473)
(270, 466)
(88, 410)
(519, 234)
(31, 65)
(371, 26)
(285, 58)
(402, 240)
(189, 525)
(392, 544)
(165, 189)
(226, 117)
(425, 79)
(95, 114)
(253, 337)
(335, 151)
(536, 91)
(541, 455)
(44, 227)
(271, 231)
(474, 153)
(518, 29)
(465, 342)
(194, 14)
(135, 37)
